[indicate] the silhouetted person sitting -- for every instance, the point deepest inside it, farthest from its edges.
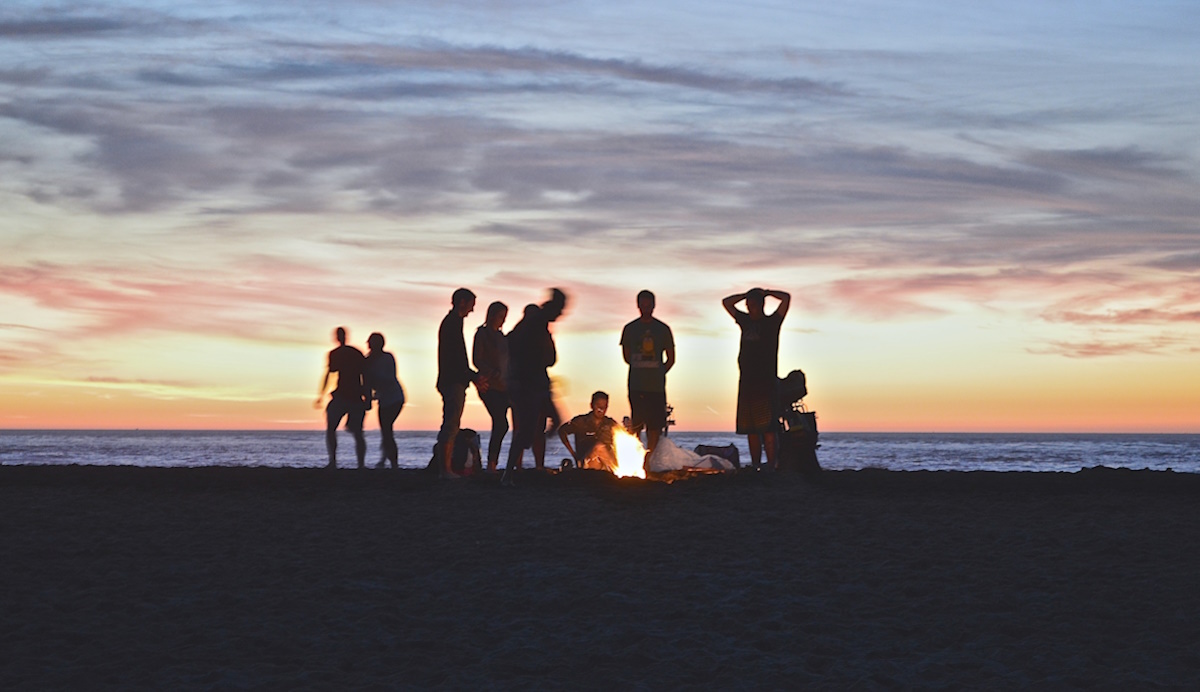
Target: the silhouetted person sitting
(758, 406)
(454, 374)
(379, 374)
(593, 432)
(531, 352)
(649, 348)
(350, 399)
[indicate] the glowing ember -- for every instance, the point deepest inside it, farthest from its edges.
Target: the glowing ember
(631, 455)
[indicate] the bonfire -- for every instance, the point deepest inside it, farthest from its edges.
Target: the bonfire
(631, 455)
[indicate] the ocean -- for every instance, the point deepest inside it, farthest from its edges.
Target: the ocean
(892, 451)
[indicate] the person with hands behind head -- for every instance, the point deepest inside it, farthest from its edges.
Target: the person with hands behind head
(758, 407)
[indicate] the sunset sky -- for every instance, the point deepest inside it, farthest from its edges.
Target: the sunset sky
(987, 213)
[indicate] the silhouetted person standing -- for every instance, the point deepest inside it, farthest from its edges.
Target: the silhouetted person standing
(379, 375)
(758, 407)
(350, 399)
(649, 348)
(489, 353)
(454, 374)
(531, 352)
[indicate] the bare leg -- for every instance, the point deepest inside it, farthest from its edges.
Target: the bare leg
(755, 441)
(331, 446)
(539, 450)
(448, 457)
(652, 436)
(360, 448)
(772, 450)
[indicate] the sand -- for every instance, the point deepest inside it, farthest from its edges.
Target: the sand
(290, 578)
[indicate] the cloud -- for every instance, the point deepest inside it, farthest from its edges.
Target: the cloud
(1140, 316)
(470, 60)
(1182, 262)
(65, 27)
(1102, 348)
(1126, 163)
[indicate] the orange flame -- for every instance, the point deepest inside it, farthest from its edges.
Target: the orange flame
(631, 455)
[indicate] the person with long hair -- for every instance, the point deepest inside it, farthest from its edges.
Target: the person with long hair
(489, 353)
(379, 374)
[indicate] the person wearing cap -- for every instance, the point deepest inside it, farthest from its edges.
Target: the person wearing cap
(758, 407)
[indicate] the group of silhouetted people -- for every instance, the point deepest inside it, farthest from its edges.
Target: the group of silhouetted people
(511, 374)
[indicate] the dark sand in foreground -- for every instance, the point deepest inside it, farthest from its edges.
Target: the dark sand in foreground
(291, 578)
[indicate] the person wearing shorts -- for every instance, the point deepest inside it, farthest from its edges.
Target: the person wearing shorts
(649, 348)
(350, 399)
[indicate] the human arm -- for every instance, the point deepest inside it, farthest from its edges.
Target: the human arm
(670, 352)
(485, 357)
(564, 432)
(730, 303)
(785, 301)
(321, 391)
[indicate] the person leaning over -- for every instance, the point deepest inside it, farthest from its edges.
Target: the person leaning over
(758, 406)
(649, 348)
(454, 374)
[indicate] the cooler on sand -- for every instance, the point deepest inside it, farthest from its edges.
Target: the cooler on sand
(798, 429)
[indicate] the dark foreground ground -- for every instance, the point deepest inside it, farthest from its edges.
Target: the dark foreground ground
(276, 578)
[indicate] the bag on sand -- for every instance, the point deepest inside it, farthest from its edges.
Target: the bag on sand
(798, 444)
(667, 456)
(467, 456)
(728, 453)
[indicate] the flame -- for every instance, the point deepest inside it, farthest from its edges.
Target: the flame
(631, 455)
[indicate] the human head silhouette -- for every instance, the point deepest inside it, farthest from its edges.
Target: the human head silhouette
(340, 335)
(375, 342)
(553, 308)
(463, 301)
(645, 303)
(599, 404)
(756, 299)
(497, 312)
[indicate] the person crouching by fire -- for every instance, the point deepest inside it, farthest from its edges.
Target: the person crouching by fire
(593, 432)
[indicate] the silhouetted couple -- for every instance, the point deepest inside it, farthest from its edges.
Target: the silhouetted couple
(360, 380)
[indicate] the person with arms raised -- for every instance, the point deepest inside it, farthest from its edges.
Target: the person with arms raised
(758, 406)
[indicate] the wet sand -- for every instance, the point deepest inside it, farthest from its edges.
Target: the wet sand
(294, 578)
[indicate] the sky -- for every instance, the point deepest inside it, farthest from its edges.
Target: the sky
(987, 215)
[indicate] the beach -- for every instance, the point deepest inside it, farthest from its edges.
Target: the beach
(249, 578)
